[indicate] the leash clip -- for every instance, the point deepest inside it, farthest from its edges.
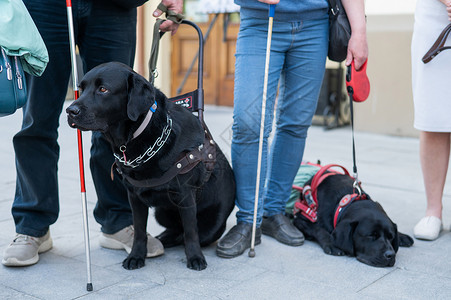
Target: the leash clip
(122, 149)
(356, 186)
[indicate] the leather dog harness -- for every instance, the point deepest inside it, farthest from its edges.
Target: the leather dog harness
(307, 203)
(206, 153)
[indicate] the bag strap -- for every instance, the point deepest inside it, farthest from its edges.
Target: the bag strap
(438, 46)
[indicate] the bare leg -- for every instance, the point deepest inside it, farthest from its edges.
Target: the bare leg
(434, 157)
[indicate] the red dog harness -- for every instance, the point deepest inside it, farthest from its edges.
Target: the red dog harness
(307, 204)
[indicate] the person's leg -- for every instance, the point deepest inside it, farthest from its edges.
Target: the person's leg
(248, 93)
(107, 34)
(301, 81)
(298, 95)
(434, 157)
(36, 204)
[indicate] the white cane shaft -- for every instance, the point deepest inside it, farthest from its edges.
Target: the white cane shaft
(86, 235)
(73, 58)
(70, 23)
(262, 130)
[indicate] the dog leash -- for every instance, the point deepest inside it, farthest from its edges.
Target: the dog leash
(358, 87)
(172, 16)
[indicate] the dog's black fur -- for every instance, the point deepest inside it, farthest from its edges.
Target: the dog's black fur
(115, 100)
(364, 229)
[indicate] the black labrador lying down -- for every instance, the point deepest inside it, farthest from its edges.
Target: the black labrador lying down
(164, 157)
(362, 229)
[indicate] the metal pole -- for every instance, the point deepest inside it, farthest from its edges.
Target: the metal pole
(262, 127)
(80, 144)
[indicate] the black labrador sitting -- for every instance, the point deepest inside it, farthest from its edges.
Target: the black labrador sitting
(164, 157)
(362, 229)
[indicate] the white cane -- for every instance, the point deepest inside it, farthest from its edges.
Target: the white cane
(80, 144)
(272, 9)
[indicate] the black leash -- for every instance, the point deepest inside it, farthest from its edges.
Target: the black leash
(356, 184)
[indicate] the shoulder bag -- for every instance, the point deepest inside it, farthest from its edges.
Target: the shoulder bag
(13, 90)
(339, 31)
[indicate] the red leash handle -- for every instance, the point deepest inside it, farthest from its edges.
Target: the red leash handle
(357, 83)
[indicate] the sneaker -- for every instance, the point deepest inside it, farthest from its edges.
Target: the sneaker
(24, 250)
(281, 228)
(237, 240)
(428, 228)
(123, 240)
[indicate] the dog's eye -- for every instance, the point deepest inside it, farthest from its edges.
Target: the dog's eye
(103, 89)
(374, 236)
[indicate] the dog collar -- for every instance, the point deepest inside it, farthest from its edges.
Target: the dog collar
(345, 202)
(146, 121)
(150, 152)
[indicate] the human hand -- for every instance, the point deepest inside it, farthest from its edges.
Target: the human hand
(174, 5)
(448, 7)
(270, 1)
(357, 50)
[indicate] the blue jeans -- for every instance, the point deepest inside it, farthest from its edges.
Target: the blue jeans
(104, 32)
(298, 56)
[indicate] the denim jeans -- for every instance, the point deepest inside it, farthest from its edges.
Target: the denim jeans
(297, 62)
(103, 32)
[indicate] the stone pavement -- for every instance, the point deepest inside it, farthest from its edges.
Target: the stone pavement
(388, 167)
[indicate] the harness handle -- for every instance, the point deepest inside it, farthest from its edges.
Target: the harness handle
(318, 175)
(199, 93)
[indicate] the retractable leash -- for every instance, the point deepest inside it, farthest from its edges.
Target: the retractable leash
(358, 87)
(80, 144)
(272, 8)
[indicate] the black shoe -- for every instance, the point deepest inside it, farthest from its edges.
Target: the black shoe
(237, 240)
(281, 228)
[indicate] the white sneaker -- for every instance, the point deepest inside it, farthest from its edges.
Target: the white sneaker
(123, 240)
(428, 228)
(24, 250)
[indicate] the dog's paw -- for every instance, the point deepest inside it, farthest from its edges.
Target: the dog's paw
(331, 250)
(196, 263)
(133, 262)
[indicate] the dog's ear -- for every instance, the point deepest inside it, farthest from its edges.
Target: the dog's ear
(404, 240)
(395, 241)
(342, 236)
(140, 96)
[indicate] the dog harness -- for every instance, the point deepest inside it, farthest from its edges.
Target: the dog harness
(206, 153)
(307, 203)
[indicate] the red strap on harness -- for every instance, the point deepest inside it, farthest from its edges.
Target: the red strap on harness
(321, 175)
(307, 203)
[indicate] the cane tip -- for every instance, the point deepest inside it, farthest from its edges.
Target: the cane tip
(89, 287)
(251, 253)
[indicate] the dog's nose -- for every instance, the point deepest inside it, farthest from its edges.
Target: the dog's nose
(73, 110)
(389, 254)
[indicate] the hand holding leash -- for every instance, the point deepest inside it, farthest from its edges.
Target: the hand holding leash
(173, 10)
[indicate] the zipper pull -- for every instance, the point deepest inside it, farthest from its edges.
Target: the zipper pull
(9, 71)
(19, 77)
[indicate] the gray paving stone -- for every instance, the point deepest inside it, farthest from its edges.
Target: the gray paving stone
(388, 168)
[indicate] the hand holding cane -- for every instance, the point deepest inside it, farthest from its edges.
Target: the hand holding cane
(272, 9)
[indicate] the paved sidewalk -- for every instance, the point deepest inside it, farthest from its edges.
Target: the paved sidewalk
(389, 169)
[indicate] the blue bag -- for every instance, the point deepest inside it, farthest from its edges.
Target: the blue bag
(13, 90)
